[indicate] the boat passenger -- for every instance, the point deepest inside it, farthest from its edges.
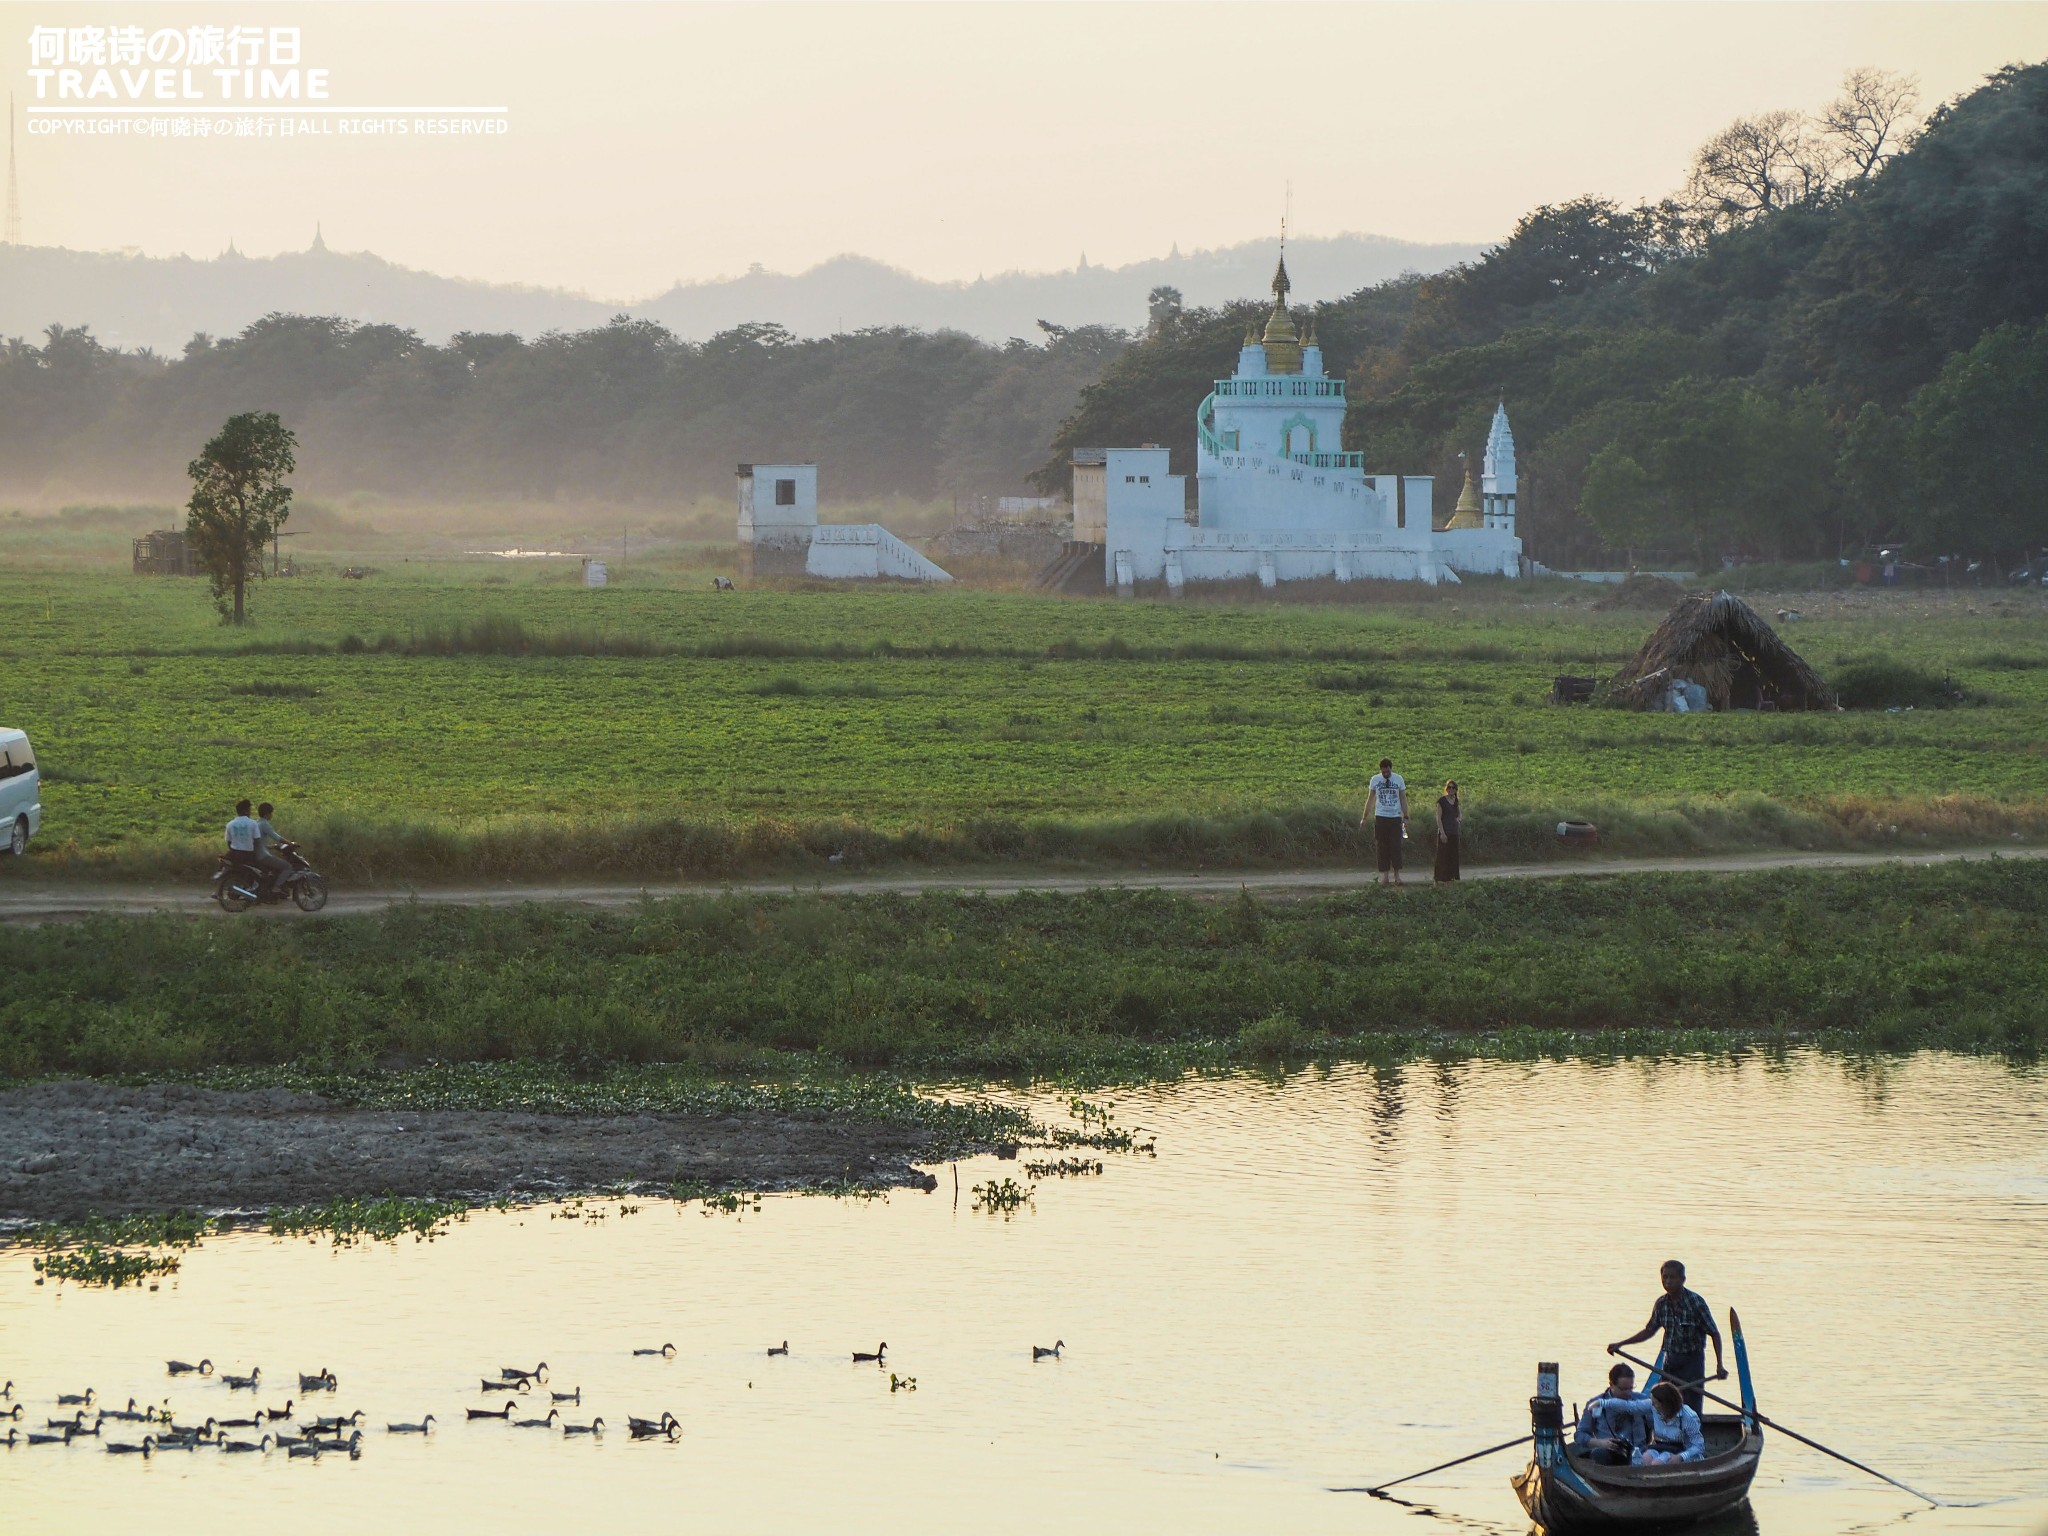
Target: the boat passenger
(1675, 1433)
(1616, 1424)
(1688, 1322)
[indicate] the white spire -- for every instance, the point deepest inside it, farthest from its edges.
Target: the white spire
(1498, 468)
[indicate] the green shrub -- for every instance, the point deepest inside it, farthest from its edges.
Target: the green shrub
(1877, 682)
(1277, 1037)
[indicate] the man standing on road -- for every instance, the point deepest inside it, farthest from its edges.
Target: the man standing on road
(1387, 809)
(1688, 1322)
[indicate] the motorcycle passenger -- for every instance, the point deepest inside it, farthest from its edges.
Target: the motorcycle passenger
(274, 865)
(243, 838)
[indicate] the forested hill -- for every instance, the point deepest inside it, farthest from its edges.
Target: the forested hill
(1832, 334)
(621, 412)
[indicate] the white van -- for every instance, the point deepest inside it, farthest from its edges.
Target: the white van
(21, 799)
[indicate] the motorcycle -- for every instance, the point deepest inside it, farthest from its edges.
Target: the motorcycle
(238, 887)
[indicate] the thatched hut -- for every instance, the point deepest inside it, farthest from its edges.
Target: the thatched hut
(1718, 642)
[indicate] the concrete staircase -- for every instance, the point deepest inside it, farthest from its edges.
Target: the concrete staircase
(1078, 571)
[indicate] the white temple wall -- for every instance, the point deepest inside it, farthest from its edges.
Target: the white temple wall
(778, 504)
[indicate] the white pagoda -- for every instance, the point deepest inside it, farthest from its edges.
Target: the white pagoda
(1278, 496)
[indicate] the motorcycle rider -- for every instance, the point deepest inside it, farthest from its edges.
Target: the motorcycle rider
(243, 837)
(274, 865)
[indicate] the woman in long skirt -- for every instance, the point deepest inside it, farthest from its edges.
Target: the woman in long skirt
(1448, 816)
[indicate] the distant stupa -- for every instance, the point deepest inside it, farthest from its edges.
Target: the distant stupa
(319, 246)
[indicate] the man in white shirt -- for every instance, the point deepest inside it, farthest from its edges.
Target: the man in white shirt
(243, 836)
(1387, 809)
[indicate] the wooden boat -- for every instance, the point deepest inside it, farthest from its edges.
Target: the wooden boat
(1566, 1493)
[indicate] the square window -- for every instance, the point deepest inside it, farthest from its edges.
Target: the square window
(1130, 479)
(785, 493)
(1144, 479)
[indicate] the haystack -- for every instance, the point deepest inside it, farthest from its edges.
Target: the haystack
(1720, 643)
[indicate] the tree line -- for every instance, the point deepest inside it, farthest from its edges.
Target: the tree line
(1831, 335)
(622, 412)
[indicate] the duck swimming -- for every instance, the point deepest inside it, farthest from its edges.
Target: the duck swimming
(493, 1413)
(667, 1351)
(779, 1349)
(244, 1383)
(509, 1384)
(546, 1423)
(245, 1446)
(147, 1448)
(513, 1373)
(420, 1428)
(880, 1350)
(322, 1381)
(594, 1427)
(575, 1397)
(180, 1368)
(1040, 1352)
(70, 1399)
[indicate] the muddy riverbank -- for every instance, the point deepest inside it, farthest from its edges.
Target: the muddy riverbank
(71, 1149)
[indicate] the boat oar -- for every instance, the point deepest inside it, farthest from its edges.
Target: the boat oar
(1793, 1433)
(1379, 1490)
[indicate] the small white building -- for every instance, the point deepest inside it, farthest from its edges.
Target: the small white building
(780, 535)
(1278, 498)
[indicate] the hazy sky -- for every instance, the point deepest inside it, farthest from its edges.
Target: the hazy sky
(645, 143)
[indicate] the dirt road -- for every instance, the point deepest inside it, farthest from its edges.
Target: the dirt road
(32, 901)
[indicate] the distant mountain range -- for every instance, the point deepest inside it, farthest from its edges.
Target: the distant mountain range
(135, 301)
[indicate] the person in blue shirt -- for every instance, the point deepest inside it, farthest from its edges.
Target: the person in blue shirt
(274, 864)
(1687, 1322)
(1616, 1424)
(1675, 1432)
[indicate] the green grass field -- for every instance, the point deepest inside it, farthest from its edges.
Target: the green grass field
(1102, 984)
(443, 718)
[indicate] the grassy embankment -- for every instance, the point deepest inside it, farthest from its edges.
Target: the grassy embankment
(813, 990)
(444, 722)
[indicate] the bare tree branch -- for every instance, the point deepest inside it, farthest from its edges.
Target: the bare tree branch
(1758, 164)
(1872, 119)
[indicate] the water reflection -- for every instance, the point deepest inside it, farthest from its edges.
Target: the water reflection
(1321, 1284)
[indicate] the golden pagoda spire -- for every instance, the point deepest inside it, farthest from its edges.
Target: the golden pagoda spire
(1467, 514)
(1283, 341)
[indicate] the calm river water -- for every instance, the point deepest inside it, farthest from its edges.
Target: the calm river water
(1317, 1284)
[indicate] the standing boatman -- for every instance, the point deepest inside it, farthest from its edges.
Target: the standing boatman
(1688, 1322)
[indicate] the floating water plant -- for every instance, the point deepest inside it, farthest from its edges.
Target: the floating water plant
(729, 1201)
(354, 1220)
(1064, 1168)
(94, 1265)
(1002, 1195)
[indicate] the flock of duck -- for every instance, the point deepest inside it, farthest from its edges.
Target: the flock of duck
(262, 1430)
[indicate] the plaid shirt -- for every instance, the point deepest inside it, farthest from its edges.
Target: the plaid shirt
(1687, 1322)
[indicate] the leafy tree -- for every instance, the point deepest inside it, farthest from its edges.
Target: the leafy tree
(1619, 500)
(1162, 310)
(239, 500)
(1970, 444)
